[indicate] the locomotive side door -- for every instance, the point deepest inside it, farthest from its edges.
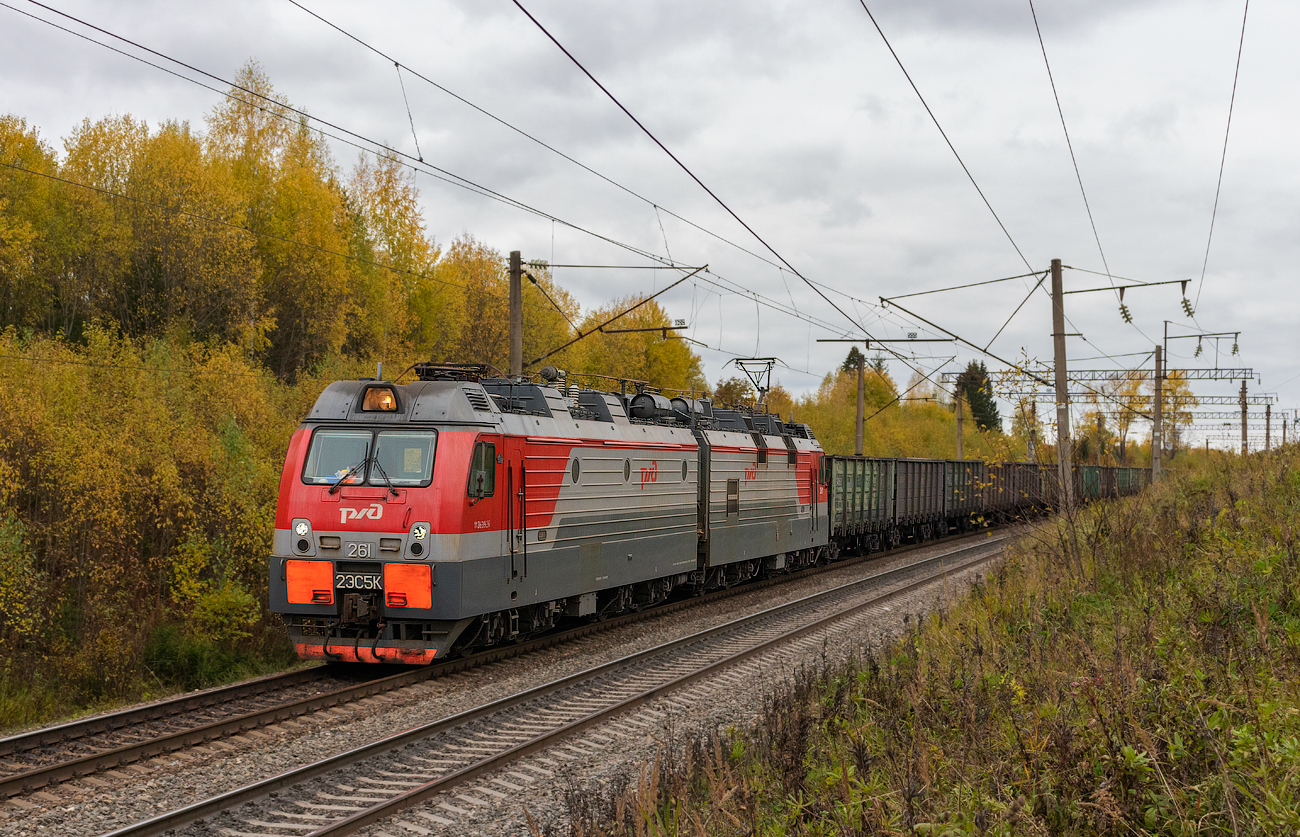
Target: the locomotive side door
(485, 491)
(812, 491)
(516, 500)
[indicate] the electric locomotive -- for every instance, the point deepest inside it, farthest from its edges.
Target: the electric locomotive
(461, 511)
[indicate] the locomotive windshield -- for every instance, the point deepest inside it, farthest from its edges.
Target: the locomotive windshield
(399, 458)
(406, 458)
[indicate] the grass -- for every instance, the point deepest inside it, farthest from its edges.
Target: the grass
(1133, 668)
(175, 662)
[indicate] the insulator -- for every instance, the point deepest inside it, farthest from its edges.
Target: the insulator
(1187, 307)
(1125, 313)
(1234, 348)
(1198, 350)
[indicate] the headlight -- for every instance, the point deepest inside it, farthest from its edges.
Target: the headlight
(302, 537)
(418, 546)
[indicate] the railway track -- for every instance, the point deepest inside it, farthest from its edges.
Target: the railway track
(38, 759)
(355, 789)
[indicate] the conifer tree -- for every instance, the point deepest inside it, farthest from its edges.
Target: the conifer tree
(976, 391)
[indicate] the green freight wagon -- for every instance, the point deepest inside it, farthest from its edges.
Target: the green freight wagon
(862, 501)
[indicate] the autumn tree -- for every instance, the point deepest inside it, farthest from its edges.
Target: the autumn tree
(734, 390)
(1126, 394)
(27, 217)
(1178, 404)
(780, 401)
(1026, 425)
(638, 354)
(400, 302)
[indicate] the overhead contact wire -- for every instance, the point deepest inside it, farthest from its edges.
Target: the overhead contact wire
(529, 136)
(944, 134)
(1068, 144)
(702, 185)
(1224, 158)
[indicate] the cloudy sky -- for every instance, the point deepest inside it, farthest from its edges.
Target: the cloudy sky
(797, 116)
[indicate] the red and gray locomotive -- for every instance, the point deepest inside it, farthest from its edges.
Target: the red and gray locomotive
(461, 511)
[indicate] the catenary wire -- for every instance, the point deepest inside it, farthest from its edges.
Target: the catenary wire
(534, 139)
(531, 137)
(455, 179)
(405, 159)
(675, 159)
(1224, 158)
(1068, 144)
(693, 176)
(944, 134)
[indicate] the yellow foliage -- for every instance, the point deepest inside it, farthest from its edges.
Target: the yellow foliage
(919, 429)
(639, 355)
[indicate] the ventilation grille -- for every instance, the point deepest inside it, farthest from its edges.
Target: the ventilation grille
(478, 399)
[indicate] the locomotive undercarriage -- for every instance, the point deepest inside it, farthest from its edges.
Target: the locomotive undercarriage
(524, 623)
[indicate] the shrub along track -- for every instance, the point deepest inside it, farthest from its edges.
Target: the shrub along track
(349, 791)
(37, 759)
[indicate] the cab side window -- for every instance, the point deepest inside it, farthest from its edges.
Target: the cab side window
(482, 471)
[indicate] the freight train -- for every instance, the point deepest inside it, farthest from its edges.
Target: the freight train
(462, 511)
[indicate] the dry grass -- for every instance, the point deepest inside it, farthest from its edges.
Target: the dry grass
(1133, 668)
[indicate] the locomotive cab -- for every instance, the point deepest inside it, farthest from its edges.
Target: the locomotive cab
(354, 559)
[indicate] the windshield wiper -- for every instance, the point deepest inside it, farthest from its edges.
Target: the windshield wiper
(336, 486)
(387, 481)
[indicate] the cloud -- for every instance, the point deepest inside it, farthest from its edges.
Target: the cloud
(799, 119)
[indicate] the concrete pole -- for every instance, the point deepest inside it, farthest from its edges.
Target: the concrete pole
(1243, 418)
(516, 315)
(1157, 418)
(1268, 426)
(1033, 430)
(862, 395)
(1066, 473)
(957, 393)
(1099, 428)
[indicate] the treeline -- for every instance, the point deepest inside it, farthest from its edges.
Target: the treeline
(247, 233)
